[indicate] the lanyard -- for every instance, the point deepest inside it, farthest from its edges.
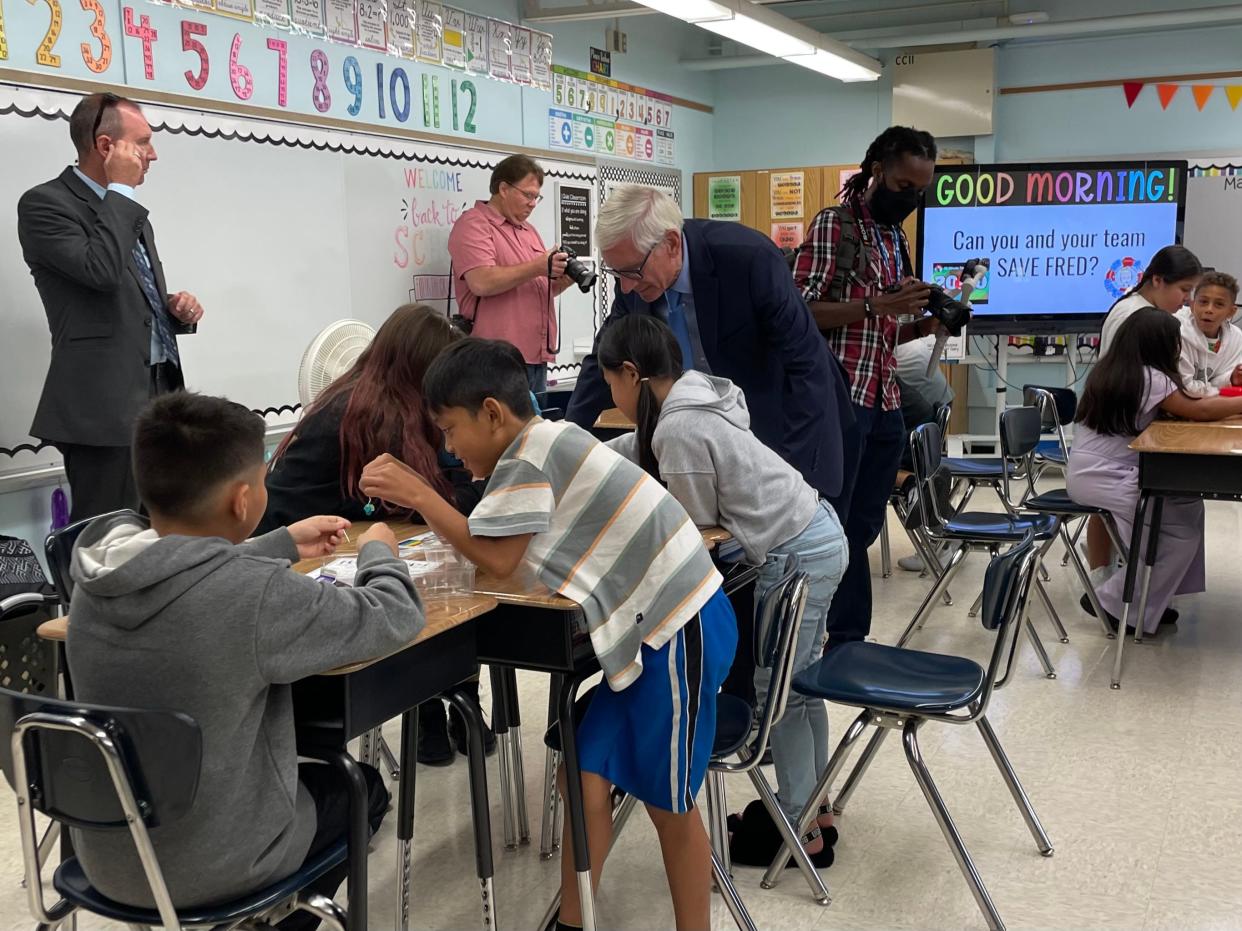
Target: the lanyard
(890, 261)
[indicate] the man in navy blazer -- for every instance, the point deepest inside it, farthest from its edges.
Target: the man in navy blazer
(728, 294)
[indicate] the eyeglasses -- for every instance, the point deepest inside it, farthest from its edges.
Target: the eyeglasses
(530, 198)
(109, 101)
(632, 274)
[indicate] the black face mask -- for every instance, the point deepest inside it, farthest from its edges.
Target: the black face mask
(892, 207)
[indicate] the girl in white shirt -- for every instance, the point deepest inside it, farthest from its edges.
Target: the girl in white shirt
(1167, 283)
(1211, 345)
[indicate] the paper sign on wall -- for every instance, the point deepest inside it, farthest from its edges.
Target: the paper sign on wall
(500, 49)
(724, 198)
(343, 21)
(308, 16)
(541, 60)
(476, 44)
(427, 29)
(401, 28)
(454, 38)
(786, 194)
(787, 235)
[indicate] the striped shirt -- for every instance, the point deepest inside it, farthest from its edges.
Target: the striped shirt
(607, 536)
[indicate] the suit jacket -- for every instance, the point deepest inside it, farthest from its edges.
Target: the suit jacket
(756, 331)
(80, 252)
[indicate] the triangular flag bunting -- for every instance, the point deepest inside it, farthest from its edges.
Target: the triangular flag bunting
(1166, 92)
(1234, 94)
(1132, 89)
(1202, 92)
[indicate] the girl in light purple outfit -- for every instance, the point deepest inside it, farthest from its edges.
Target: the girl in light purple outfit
(1137, 379)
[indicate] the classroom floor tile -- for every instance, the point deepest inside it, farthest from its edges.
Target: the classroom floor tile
(1138, 790)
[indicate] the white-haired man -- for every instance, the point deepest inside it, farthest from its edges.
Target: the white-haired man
(727, 293)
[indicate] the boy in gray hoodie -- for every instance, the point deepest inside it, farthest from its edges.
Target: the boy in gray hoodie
(186, 616)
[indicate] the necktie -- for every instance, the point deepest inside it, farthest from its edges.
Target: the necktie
(677, 322)
(159, 313)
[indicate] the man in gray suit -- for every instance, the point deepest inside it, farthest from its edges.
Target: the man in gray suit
(114, 324)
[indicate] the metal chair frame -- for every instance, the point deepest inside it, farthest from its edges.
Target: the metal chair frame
(925, 443)
(1006, 615)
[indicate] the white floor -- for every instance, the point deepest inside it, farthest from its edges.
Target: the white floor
(1139, 790)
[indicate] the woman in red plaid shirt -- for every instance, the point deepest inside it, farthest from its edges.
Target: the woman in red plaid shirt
(852, 255)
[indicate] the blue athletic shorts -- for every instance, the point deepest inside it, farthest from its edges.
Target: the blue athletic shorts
(653, 739)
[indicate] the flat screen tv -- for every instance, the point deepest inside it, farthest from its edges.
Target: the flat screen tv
(1052, 245)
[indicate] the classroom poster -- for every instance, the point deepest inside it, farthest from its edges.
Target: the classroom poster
(453, 39)
(428, 26)
(401, 28)
(308, 16)
(372, 24)
(238, 9)
(520, 59)
(342, 21)
(724, 198)
(573, 212)
(787, 235)
(500, 49)
(476, 44)
(541, 61)
(786, 194)
(664, 147)
(272, 13)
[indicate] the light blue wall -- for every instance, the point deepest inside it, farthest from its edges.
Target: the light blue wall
(783, 115)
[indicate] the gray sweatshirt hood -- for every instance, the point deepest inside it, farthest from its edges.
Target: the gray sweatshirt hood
(700, 392)
(133, 573)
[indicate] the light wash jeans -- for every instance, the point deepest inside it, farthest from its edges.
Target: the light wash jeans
(800, 740)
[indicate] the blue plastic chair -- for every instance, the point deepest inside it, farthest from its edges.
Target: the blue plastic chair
(970, 530)
(905, 689)
(124, 769)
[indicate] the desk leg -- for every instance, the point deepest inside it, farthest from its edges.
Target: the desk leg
(577, 817)
(359, 837)
(479, 806)
(550, 829)
(500, 724)
(1153, 541)
(405, 813)
(517, 767)
(1132, 568)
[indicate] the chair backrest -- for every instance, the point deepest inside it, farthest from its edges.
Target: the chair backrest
(943, 413)
(1006, 586)
(1019, 437)
(58, 547)
(102, 768)
(776, 630)
(1057, 407)
(925, 455)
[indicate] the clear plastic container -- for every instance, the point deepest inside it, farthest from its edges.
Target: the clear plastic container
(439, 571)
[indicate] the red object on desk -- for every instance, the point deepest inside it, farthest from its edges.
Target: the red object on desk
(1231, 391)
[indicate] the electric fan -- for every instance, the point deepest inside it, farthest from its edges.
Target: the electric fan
(329, 356)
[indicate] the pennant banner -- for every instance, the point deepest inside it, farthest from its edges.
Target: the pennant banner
(1202, 93)
(1167, 92)
(1132, 89)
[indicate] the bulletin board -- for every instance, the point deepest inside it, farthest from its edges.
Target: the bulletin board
(278, 227)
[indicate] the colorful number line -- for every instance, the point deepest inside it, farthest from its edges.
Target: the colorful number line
(631, 88)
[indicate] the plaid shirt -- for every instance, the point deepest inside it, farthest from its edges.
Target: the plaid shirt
(865, 347)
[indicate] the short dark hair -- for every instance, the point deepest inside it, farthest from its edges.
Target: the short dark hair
(186, 445)
(887, 148)
(512, 170)
(470, 371)
(86, 124)
(1219, 280)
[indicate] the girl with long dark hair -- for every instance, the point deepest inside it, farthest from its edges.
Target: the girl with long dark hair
(1135, 381)
(693, 434)
(376, 407)
(1166, 284)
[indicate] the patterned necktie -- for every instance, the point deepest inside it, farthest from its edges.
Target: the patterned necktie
(677, 323)
(159, 313)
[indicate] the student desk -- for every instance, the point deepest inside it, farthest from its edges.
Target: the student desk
(1176, 459)
(347, 702)
(613, 419)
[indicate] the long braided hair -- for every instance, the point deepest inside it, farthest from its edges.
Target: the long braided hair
(887, 147)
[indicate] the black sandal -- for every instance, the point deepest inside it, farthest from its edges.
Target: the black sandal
(830, 832)
(821, 859)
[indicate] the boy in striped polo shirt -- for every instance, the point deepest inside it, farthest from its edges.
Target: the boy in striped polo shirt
(599, 530)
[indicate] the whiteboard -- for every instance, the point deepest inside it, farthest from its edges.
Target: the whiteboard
(1213, 229)
(278, 228)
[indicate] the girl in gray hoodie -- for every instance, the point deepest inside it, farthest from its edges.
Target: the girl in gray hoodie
(693, 434)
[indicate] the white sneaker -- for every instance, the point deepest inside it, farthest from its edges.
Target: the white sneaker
(911, 563)
(1101, 575)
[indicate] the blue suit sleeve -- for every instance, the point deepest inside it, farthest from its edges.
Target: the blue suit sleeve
(809, 395)
(591, 396)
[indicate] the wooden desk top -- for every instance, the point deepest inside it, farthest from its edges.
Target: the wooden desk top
(1217, 438)
(613, 419)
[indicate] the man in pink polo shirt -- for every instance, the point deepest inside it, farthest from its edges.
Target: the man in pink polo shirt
(504, 276)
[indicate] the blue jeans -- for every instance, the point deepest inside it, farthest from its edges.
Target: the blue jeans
(800, 740)
(537, 378)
